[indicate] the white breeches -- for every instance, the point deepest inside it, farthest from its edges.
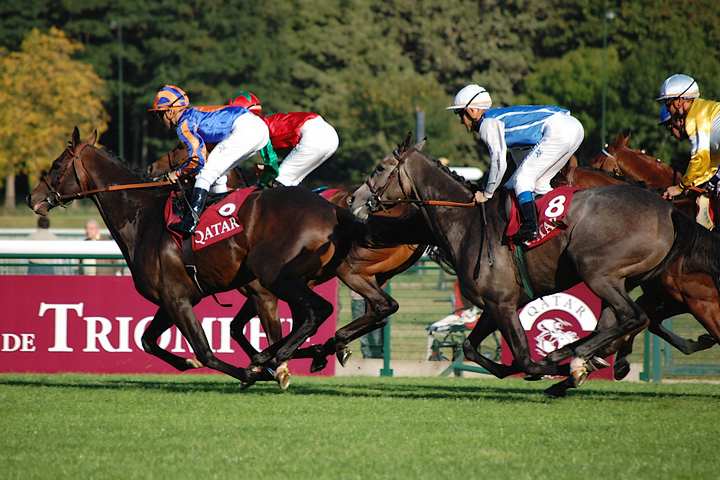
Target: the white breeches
(562, 135)
(249, 135)
(318, 140)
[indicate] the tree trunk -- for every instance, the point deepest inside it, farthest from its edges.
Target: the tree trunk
(10, 191)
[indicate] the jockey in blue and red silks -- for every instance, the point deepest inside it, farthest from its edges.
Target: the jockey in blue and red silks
(310, 137)
(541, 138)
(236, 133)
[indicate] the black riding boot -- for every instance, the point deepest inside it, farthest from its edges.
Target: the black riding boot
(529, 228)
(190, 220)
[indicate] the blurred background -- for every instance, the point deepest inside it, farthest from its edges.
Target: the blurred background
(367, 66)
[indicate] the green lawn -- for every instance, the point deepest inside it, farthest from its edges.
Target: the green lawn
(189, 426)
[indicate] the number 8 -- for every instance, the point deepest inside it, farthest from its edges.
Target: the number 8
(555, 207)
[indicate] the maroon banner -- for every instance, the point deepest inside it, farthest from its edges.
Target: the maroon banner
(95, 324)
(553, 321)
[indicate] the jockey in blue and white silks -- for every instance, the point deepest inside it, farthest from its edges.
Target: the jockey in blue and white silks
(236, 133)
(541, 139)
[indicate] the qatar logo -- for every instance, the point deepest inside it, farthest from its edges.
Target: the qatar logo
(555, 320)
(227, 209)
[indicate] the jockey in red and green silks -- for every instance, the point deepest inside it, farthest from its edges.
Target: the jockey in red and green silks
(311, 139)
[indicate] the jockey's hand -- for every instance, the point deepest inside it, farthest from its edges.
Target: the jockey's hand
(259, 168)
(172, 176)
(480, 197)
(672, 192)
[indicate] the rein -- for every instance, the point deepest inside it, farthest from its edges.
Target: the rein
(431, 203)
(84, 180)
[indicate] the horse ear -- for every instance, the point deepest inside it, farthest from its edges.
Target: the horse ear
(75, 137)
(93, 138)
(620, 140)
(421, 144)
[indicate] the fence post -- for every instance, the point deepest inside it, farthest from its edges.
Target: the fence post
(386, 371)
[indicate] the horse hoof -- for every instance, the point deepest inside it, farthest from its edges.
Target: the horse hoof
(532, 378)
(596, 363)
(318, 364)
(283, 378)
(343, 355)
(246, 385)
(579, 371)
(621, 369)
(193, 363)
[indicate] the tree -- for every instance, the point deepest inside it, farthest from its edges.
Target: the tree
(44, 93)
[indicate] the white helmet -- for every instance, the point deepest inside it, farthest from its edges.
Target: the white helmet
(471, 96)
(679, 86)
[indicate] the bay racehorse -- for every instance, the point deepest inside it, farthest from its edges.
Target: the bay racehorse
(616, 238)
(365, 269)
(265, 250)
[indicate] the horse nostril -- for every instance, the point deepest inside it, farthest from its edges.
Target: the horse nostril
(350, 200)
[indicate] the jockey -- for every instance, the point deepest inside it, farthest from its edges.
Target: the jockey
(695, 119)
(237, 135)
(310, 137)
(551, 134)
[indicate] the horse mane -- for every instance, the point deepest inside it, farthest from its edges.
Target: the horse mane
(115, 159)
(455, 176)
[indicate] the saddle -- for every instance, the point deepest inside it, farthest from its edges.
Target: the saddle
(217, 222)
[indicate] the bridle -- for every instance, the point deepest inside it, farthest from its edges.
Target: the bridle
(55, 198)
(375, 202)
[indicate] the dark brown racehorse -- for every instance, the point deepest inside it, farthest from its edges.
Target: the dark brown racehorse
(364, 269)
(616, 237)
(264, 251)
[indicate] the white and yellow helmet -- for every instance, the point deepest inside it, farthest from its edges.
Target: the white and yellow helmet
(679, 86)
(471, 96)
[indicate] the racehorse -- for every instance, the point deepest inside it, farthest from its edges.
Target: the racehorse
(263, 250)
(616, 237)
(365, 269)
(623, 161)
(678, 289)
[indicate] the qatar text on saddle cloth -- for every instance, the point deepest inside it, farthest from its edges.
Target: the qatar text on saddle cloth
(219, 220)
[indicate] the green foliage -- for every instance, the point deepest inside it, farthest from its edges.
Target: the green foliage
(44, 93)
(367, 65)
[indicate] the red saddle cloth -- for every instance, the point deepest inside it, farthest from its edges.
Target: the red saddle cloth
(328, 194)
(218, 222)
(551, 207)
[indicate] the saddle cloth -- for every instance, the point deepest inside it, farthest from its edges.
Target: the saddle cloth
(217, 222)
(551, 207)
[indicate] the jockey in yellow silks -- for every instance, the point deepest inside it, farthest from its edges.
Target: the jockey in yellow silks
(699, 121)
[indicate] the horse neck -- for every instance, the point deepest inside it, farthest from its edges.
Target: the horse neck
(451, 227)
(643, 168)
(122, 211)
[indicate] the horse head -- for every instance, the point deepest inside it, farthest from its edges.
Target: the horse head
(65, 177)
(388, 188)
(636, 165)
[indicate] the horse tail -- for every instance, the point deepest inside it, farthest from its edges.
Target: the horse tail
(698, 247)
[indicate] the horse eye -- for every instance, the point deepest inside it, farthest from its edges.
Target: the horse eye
(380, 169)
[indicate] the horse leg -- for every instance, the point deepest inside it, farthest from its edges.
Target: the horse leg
(484, 327)
(161, 322)
(181, 311)
(514, 334)
(246, 313)
(309, 311)
(378, 307)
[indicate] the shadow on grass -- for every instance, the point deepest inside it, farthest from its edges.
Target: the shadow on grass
(380, 390)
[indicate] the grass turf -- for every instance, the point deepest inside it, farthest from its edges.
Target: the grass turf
(73, 426)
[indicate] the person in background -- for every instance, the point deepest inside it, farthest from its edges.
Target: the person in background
(40, 266)
(88, 266)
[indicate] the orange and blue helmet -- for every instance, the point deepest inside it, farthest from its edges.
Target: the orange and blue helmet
(248, 100)
(168, 97)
